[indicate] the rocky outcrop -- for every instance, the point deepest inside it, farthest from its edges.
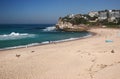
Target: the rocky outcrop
(67, 26)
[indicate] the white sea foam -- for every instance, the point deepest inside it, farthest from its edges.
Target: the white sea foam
(46, 42)
(14, 35)
(52, 28)
(33, 44)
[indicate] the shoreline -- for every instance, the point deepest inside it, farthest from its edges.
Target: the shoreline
(89, 58)
(48, 42)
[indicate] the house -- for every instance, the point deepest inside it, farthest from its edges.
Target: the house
(113, 15)
(103, 15)
(71, 16)
(92, 14)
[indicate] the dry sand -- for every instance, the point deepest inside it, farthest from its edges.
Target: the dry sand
(90, 58)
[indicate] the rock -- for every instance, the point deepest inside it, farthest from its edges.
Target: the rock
(112, 51)
(32, 51)
(67, 26)
(18, 55)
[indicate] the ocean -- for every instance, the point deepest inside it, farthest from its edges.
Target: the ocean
(22, 35)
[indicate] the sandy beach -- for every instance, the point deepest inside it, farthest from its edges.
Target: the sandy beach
(96, 57)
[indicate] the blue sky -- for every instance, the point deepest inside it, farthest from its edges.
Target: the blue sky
(48, 11)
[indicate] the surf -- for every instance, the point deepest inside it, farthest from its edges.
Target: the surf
(51, 28)
(14, 35)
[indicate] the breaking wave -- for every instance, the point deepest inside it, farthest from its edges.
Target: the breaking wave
(52, 28)
(45, 42)
(14, 35)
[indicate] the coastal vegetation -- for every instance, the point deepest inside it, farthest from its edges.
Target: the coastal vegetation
(105, 18)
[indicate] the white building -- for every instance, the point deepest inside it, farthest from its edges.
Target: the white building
(71, 16)
(113, 14)
(102, 15)
(92, 14)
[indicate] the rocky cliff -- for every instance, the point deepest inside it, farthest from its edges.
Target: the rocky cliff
(66, 25)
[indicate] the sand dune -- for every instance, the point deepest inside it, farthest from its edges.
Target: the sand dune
(90, 58)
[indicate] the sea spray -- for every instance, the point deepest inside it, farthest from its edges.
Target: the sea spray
(14, 35)
(52, 28)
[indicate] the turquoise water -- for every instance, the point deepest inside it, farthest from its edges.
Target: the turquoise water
(17, 35)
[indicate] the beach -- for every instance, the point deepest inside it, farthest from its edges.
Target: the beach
(95, 57)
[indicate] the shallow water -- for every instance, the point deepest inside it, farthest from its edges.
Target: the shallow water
(12, 35)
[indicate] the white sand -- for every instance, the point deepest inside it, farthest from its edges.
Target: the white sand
(89, 58)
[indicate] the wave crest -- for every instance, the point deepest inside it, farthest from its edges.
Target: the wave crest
(52, 28)
(14, 35)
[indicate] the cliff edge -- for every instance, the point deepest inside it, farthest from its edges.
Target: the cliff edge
(71, 24)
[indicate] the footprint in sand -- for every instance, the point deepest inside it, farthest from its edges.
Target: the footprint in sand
(102, 66)
(32, 51)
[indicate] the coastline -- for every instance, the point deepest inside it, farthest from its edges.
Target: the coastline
(89, 58)
(47, 42)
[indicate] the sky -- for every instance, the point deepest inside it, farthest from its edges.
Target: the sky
(48, 11)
